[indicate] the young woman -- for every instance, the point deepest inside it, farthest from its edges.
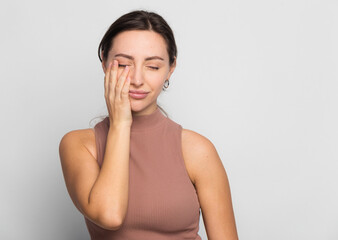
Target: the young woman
(138, 174)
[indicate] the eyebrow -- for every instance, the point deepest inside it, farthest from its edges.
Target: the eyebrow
(132, 58)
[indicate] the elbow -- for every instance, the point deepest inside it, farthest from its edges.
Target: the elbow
(109, 222)
(109, 218)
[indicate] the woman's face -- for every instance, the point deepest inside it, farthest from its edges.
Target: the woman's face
(132, 48)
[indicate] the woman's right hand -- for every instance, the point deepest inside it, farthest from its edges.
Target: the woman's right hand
(117, 95)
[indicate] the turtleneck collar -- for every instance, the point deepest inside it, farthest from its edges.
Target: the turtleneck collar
(146, 122)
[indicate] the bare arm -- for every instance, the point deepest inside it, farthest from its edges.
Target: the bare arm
(100, 195)
(212, 186)
(110, 190)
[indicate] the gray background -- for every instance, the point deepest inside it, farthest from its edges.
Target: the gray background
(258, 78)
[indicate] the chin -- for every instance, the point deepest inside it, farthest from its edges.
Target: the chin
(137, 107)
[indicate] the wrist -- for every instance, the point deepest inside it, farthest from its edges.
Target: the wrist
(120, 125)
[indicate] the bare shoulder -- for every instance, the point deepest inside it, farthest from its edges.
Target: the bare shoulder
(86, 137)
(197, 151)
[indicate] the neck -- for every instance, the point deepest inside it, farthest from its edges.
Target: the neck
(147, 121)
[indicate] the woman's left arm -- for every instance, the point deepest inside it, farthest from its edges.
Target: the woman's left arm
(212, 186)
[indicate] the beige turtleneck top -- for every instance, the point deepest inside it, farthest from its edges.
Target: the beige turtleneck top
(162, 202)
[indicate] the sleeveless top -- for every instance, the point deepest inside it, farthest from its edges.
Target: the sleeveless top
(162, 201)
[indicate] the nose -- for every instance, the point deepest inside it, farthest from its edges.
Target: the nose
(136, 76)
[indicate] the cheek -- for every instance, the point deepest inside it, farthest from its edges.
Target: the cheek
(156, 79)
(158, 86)
(155, 83)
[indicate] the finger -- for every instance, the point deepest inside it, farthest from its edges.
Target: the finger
(106, 80)
(112, 79)
(120, 82)
(125, 90)
(114, 73)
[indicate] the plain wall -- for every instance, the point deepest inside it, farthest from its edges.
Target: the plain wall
(257, 78)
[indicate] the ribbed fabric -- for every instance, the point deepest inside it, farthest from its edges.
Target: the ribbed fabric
(163, 202)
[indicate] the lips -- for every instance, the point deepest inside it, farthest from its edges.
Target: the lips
(138, 91)
(138, 94)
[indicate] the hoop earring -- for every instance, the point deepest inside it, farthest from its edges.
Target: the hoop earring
(166, 85)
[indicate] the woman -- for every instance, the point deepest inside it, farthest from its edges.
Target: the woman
(139, 174)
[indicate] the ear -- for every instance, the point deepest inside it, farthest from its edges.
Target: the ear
(172, 68)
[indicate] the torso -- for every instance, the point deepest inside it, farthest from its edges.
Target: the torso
(87, 136)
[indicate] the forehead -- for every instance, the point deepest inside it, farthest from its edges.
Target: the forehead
(139, 43)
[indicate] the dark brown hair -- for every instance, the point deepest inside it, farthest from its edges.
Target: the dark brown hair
(139, 20)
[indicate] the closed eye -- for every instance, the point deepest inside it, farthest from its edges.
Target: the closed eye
(155, 68)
